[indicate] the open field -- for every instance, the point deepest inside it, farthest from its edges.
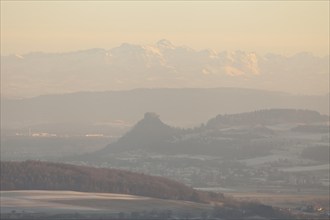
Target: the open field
(59, 202)
(282, 200)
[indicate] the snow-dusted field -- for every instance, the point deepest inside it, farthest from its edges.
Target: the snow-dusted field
(265, 159)
(283, 200)
(37, 201)
(307, 168)
(216, 189)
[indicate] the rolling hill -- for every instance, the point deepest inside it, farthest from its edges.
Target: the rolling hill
(43, 190)
(239, 136)
(36, 175)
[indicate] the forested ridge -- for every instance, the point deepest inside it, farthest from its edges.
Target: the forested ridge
(37, 175)
(268, 117)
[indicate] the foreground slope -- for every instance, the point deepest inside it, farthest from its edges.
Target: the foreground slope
(55, 202)
(36, 175)
(39, 204)
(159, 198)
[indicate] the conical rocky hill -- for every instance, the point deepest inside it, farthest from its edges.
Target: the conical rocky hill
(148, 134)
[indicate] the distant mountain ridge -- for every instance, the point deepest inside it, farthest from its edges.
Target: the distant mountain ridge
(161, 65)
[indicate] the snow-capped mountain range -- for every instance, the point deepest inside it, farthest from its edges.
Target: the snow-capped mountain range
(161, 65)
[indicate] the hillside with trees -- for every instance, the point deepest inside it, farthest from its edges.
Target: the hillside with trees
(65, 178)
(37, 175)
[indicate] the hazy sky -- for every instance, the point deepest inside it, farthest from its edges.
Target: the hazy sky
(284, 27)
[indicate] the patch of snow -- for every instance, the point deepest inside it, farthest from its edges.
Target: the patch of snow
(307, 168)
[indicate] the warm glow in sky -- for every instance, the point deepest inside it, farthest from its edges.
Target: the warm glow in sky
(284, 27)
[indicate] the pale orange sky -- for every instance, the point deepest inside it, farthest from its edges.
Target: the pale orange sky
(284, 27)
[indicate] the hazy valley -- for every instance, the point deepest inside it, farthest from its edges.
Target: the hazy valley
(231, 148)
(248, 156)
(157, 110)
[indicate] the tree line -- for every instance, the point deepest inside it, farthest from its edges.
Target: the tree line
(37, 175)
